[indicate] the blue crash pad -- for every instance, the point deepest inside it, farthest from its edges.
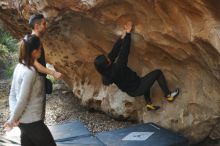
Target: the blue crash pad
(65, 131)
(148, 134)
(72, 133)
(82, 141)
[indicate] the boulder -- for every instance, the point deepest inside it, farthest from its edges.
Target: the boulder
(182, 38)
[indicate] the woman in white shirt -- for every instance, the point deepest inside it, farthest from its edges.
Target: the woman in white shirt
(27, 97)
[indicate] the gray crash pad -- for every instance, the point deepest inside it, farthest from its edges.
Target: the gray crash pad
(148, 134)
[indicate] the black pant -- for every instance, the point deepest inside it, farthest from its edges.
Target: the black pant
(36, 134)
(147, 82)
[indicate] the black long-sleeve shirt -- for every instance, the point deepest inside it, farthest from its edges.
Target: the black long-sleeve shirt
(118, 72)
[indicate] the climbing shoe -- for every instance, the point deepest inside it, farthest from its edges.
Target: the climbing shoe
(152, 107)
(172, 96)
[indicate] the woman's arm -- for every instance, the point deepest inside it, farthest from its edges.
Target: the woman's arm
(125, 46)
(12, 95)
(115, 50)
(23, 96)
(124, 52)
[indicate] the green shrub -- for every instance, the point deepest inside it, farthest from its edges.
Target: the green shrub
(8, 51)
(3, 51)
(7, 40)
(3, 56)
(9, 70)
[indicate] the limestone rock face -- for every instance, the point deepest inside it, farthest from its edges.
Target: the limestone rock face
(182, 38)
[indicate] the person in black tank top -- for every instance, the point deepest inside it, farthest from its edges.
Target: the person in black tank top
(37, 23)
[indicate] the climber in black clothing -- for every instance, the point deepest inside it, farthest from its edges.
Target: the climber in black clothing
(113, 69)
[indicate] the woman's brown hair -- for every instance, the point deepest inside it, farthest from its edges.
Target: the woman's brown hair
(26, 47)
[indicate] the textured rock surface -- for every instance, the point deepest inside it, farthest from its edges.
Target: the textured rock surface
(182, 38)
